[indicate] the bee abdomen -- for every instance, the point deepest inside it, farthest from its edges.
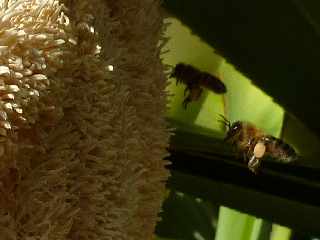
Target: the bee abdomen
(213, 83)
(280, 150)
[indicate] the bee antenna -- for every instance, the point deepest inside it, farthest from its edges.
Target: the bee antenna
(225, 121)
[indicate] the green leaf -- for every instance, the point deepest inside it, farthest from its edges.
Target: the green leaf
(280, 233)
(235, 225)
(185, 217)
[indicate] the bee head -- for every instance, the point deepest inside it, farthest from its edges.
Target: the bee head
(233, 130)
(178, 69)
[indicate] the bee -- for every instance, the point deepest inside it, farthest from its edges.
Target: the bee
(255, 144)
(195, 80)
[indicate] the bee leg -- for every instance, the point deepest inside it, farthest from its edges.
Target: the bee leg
(253, 161)
(248, 151)
(186, 102)
(253, 164)
(200, 93)
(245, 159)
(186, 91)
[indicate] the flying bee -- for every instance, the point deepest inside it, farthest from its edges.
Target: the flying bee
(255, 144)
(195, 80)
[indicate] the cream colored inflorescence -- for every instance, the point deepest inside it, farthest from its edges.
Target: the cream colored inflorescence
(32, 38)
(82, 119)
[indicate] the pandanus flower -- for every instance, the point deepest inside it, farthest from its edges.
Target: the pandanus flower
(82, 128)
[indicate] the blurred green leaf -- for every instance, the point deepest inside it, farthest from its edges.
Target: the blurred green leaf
(188, 218)
(280, 233)
(248, 103)
(235, 225)
(161, 238)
